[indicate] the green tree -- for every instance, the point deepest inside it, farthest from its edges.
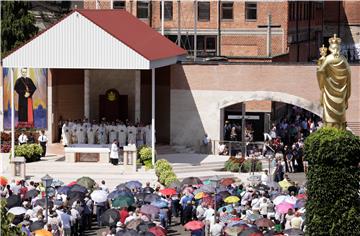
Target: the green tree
(5, 222)
(333, 183)
(17, 25)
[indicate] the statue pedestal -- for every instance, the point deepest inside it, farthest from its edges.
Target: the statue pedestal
(130, 156)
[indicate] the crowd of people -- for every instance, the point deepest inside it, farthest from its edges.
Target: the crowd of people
(210, 207)
(103, 132)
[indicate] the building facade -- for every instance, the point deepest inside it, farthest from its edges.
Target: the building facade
(238, 30)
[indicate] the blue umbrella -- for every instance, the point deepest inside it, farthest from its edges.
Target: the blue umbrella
(160, 203)
(122, 187)
(133, 184)
(228, 208)
(117, 193)
(236, 223)
(63, 190)
(78, 188)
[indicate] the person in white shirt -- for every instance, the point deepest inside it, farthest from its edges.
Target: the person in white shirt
(264, 207)
(140, 135)
(81, 135)
(65, 218)
(217, 228)
(113, 133)
(101, 134)
(43, 140)
(66, 134)
(131, 134)
(91, 132)
(114, 153)
(122, 131)
(22, 138)
(265, 177)
(103, 187)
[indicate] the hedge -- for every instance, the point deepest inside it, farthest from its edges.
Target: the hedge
(165, 172)
(333, 206)
(31, 152)
(234, 164)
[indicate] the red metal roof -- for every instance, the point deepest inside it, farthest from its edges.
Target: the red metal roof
(134, 33)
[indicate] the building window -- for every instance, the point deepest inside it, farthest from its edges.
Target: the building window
(142, 9)
(250, 11)
(203, 11)
(168, 13)
(118, 4)
(227, 10)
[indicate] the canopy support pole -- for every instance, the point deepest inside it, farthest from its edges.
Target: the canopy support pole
(153, 115)
(12, 114)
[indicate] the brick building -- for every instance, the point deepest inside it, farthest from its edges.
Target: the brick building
(237, 30)
(343, 18)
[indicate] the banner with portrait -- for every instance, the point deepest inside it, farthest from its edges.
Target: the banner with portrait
(30, 97)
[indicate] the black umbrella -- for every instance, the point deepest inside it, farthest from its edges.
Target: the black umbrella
(146, 234)
(42, 203)
(13, 201)
(117, 193)
(151, 197)
(128, 232)
(224, 194)
(191, 181)
(262, 187)
(175, 185)
(78, 188)
(110, 217)
(293, 189)
(31, 194)
(63, 190)
(144, 226)
(122, 187)
(141, 196)
(36, 225)
(293, 232)
(148, 190)
(74, 196)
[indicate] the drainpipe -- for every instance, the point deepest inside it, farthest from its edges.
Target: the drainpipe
(218, 53)
(297, 32)
(309, 30)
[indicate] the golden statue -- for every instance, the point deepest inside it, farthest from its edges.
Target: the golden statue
(334, 78)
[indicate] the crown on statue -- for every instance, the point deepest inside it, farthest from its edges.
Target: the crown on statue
(323, 50)
(111, 96)
(335, 40)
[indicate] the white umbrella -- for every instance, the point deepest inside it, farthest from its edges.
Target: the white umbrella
(291, 200)
(99, 196)
(17, 211)
(279, 199)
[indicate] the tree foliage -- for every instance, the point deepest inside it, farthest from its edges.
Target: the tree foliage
(17, 24)
(333, 206)
(5, 221)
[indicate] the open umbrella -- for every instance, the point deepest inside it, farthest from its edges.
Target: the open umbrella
(300, 203)
(207, 188)
(36, 225)
(133, 184)
(110, 217)
(227, 181)
(85, 181)
(291, 200)
(145, 226)
(168, 191)
(228, 208)
(78, 188)
(251, 232)
(279, 199)
(158, 231)
(187, 190)
(194, 225)
(191, 181)
(74, 196)
(140, 197)
(117, 193)
(127, 232)
(31, 194)
(42, 202)
(301, 196)
(262, 187)
(122, 187)
(120, 202)
(208, 201)
(133, 224)
(13, 201)
(3, 181)
(42, 232)
(264, 222)
(224, 194)
(72, 183)
(17, 211)
(232, 199)
(57, 183)
(63, 190)
(151, 197)
(235, 230)
(200, 195)
(99, 196)
(175, 185)
(148, 189)
(149, 209)
(284, 207)
(293, 232)
(284, 184)
(160, 203)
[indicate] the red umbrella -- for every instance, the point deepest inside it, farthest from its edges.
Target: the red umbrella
(194, 225)
(227, 181)
(264, 222)
(158, 231)
(301, 196)
(208, 200)
(72, 183)
(168, 191)
(3, 181)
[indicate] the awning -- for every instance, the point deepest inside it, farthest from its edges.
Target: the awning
(96, 39)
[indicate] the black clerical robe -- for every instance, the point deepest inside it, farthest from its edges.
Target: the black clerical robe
(25, 108)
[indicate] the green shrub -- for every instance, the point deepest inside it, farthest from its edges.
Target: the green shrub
(170, 180)
(162, 166)
(333, 183)
(165, 175)
(234, 164)
(31, 152)
(144, 153)
(148, 164)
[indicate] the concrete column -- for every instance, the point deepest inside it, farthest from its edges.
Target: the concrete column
(87, 94)
(50, 113)
(137, 96)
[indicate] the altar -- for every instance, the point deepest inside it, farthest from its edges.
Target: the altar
(88, 153)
